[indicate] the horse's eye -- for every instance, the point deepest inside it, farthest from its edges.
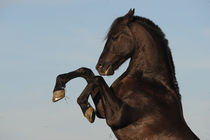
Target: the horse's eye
(115, 37)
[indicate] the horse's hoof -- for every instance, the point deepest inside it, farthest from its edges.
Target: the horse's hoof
(58, 95)
(90, 114)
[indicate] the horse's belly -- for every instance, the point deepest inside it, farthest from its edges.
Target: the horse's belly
(136, 131)
(141, 132)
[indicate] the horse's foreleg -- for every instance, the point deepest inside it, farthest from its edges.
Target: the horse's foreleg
(85, 106)
(96, 97)
(87, 74)
(62, 79)
(116, 111)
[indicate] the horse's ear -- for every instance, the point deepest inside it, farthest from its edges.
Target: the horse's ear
(129, 15)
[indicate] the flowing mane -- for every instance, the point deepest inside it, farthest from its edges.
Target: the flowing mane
(154, 29)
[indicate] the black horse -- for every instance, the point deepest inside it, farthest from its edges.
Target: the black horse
(144, 102)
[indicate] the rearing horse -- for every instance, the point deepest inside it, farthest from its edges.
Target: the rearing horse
(144, 102)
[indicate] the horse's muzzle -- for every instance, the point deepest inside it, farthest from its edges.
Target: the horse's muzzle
(105, 71)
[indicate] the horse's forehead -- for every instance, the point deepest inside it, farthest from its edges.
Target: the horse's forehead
(116, 29)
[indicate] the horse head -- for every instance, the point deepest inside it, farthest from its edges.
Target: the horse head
(119, 45)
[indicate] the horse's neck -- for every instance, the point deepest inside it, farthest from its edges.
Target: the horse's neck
(148, 61)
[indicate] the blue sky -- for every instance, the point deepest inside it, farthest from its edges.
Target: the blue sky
(40, 39)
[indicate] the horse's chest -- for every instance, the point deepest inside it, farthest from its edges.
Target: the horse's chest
(123, 88)
(128, 91)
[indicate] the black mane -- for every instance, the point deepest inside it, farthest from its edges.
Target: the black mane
(153, 28)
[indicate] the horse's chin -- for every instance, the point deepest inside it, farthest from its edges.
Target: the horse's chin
(108, 72)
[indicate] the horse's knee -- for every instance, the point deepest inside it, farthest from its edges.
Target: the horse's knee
(86, 72)
(83, 69)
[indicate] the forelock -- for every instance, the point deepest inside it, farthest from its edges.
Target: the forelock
(115, 27)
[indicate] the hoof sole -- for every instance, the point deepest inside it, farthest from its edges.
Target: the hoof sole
(58, 95)
(90, 114)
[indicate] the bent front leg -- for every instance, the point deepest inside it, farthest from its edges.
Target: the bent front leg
(116, 111)
(88, 75)
(85, 106)
(62, 79)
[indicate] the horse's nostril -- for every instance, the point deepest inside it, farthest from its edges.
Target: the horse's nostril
(99, 66)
